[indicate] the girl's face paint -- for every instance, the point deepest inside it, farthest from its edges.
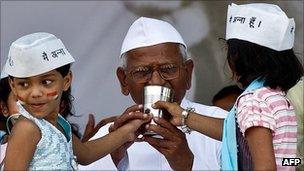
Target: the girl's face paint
(21, 100)
(54, 95)
(39, 95)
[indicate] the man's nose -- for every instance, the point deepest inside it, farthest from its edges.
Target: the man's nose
(156, 79)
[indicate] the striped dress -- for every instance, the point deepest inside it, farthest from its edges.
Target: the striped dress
(270, 108)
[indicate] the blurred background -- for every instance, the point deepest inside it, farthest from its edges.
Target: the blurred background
(93, 32)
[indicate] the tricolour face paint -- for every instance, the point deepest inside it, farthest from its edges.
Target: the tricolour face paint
(54, 95)
(21, 100)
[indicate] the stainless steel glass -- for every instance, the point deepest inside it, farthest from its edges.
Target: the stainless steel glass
(152, 94)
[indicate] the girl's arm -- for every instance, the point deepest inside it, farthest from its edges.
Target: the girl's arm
(209, 126)
(21, 145)
(259, 141)
(91, 151)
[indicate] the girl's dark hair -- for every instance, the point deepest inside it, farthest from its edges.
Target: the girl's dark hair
(5, 90)
(66, 105)
(280, 69)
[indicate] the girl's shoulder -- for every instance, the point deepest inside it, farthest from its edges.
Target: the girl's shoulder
(265, 96)
(25, 126)
(262, 94)
(265, 93)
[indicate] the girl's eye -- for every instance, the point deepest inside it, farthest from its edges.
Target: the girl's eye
(23, 84)
(47, 82)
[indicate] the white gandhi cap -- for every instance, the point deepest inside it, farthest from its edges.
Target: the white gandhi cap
(36, 54)
(3, 74)
(148, 32)
(263, 24)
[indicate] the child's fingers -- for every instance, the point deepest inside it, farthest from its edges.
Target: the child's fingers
(131, 116)
(122, 118)
(136, 115)
(91, 120)
(89, 127)
(161, 104)
(138, 122)
(111, 128)
(134, 108)
(173, 108)
(165, 105)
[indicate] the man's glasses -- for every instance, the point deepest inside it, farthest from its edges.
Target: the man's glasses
(143, 74)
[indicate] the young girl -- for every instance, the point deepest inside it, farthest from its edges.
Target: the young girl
(9, 112)
(39, 73)
(261, 129)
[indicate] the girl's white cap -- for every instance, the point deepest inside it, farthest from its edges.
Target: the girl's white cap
(148, 32)
(263, 24)
(3, 74)
(36, 54)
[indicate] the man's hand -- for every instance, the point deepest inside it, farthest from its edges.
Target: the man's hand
(173, 146)
(129, 115)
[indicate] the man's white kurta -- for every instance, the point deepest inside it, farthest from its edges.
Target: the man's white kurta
(142, 156)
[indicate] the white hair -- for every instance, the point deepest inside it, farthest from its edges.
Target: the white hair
(182, 50)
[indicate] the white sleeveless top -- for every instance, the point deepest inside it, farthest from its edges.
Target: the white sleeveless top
(54, 150)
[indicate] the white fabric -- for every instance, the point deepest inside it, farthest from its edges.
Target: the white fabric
(264, 24)
(35, 54)
(3, 74)
(142, 156)
(148, 32)
(54, 150)
(2, 152)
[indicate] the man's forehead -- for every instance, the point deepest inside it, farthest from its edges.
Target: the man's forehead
(161, 53)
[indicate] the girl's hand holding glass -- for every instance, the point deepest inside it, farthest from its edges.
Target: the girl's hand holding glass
(173, 109)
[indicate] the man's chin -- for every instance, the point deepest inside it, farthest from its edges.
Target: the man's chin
(138, 101)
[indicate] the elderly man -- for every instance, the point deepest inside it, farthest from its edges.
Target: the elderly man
(154, 53)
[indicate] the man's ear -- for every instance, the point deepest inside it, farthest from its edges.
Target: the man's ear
(189, 69)
(67, 81)
(122, 77)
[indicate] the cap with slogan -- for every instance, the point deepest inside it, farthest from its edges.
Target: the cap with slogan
(263, 24)
(36, 54)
